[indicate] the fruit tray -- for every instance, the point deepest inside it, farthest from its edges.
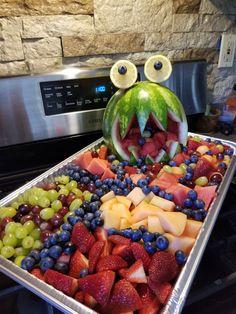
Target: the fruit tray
(179, 293)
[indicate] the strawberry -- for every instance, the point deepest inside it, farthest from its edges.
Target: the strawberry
(125, 252)
(82, 238)
(163, 267)
(122, 272)
(193, 145)
(110, 262)
(59, 281)
(151, 304)
(124, 298)
(136, 273)
(89, 301)
(98, 285)
(79, 296)
(102, 153)
(117, 239)
(161, 290)
(203, 168)
(139, 252)
(108, 246)
(100, 234)
(94, 255)
(77, 262)
(38, 273)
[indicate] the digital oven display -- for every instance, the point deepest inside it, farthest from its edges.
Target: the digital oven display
(76, 95)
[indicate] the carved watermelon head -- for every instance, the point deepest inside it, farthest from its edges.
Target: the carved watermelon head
(146, 120)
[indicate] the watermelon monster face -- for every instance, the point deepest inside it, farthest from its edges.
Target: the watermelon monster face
(146, 120)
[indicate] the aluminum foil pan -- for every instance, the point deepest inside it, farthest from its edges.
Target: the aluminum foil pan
(179, 294)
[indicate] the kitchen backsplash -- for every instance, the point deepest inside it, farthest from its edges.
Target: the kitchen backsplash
(39, 35)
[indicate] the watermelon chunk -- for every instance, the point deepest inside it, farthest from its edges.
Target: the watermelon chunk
(180, 194)
(203, 168)
(163, 185)
(84, 159)
(206, 193)
(97, 166)
(108, 174)
(168, 177)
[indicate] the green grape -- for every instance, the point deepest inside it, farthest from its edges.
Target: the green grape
(7, 251)
(77, 192)
(20, 200)
(19, 242)
(197, 138)
(40, 193)
(18, 224)
(21, 232)
(62, 179)
(56, 205)
(7, 212)
(33, 200)
(167, 168)
(1, 245)
(71, 185)
(21, 251)
(29, 226)
(15, 204)
(192, 166)
(18, 260)
(183, 166)
(220, 148)
(52, 195)
(10, 227)
(46, 213)
(37, 245)
(43, 201)
(9, 239)
(35, 234)
(202, 181)
(76, 203)
(66, 216)
(64, 191)
(115, 162)
(87, 195)
(28, 242)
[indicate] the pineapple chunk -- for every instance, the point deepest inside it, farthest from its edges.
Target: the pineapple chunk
(172, 222)
(144, 211)
(136, 195)
(192, 228)
(154, 224)
(107, 196)
(124, 223)
(108, 204)
(124, 200)
(111, 219)
(121, 210)
(143, 222)
(179, 243)
(163, 203)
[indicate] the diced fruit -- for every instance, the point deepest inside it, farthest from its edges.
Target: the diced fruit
(139, 252)
(173, 222)
(124, 223)
(110, 262)
(136, 196)
(154, 224)
(37, 272)
(192, 228)
(94, 255)
(162, 290)
(143, 211)
(124, 200)
(102, 153)
(84, 159)
(108, 196)
(136, 273)
(137, 176)
(108, 204)
(77, 262)
(89, 301)
(97, 166)
(79, 296)
(202, 149)
(124, 251)
(206, 193)
(162, 203)
(108, 174)
(140, 223)
(151, 303)
(111, 219)
(117, 239)
(121, 210)
(183, 243)
(203, 168)
(82, 238)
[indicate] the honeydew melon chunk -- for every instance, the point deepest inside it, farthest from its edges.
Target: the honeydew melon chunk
(144, 204)
(107, 196)
(111, 219)
(183, 243)
(121, 210)
(136, 195)
(149, 197)
(154, 224)
(192, 228)
(172, 222)
(124, 200)
(145, 211)
(162, 203)
(108, 204)
(124, 223)
(136, 225)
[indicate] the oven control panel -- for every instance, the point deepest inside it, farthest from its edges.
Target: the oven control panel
(76, 94)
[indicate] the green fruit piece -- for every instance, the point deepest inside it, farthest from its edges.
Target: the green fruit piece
(167, 169)
(56, 205)
(46, 213)
(202, 181)
(9, 239)
(64, 191)
(1, 245)
(66, 216)
(7, 251)
(44, 201)
(35, 234)
(62, 179)
(7, 212)
(76, 203)
(10, 227)
(29, 226)
(52, 195)
(18, 260)
(21, 251)
(71, 185)
(78, 193)
(37, 245)
(21, 232)
(28, 242)
(33, 200)
(87, 195)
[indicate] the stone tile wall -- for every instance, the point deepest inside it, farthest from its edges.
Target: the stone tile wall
(40, 35)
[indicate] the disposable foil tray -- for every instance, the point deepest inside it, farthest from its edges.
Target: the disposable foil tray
(182, 286)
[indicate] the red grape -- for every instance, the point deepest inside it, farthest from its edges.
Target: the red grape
(44, 235)
(63, 199)
(70, 198)
(26, 218)
(24, 209)
(37, 219)
(45, 226)
(17, 217)
(63, 211)
(91, 187)
(56, 220)
(5, 221)
(36, 209)
(216, 177)
(82, 187)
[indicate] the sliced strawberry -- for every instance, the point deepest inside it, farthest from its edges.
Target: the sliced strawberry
(59, 281)
(139, 252)
(161, 290)
(82, 238)
(122, 272)
(136, 273)
(38, 273)
(193, 145)
(94, 255)
(110, 262)
(98, 285)
(125, 252)
(108, 246)
(100, 234)
(77, 262)
(79, 296)
(203, 168)
(117, 239)
(151, 303)
(163, 267)
(102, 153)
(90, 301)
(130, 170)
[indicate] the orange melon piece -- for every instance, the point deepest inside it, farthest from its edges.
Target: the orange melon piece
(111, 219)
(124, 223)
(121, 210)
(172, 222)
(179, 243)
(192, 228)
(124, 200)
(97, 166)
(154, 224)
(108, 204)
(136, 195)
(107, 196)
(144, 211)
(84, 159)
(136, 225)
(163, 203)
(149, 197)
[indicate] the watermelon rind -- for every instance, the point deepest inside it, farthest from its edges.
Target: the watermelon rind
(162, 156)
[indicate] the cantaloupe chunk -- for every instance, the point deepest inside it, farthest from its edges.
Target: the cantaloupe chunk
(154, 224)
(136, 195)
(162, 203)
(172, 222)
(124, 200)
(144, 205)
(179, 243)
(149, 197)
(124, 223)
(192, 228)
(143, 222)
(111, 219)
(107, 196)
(144, 211)
(121, 210)
(108, 204)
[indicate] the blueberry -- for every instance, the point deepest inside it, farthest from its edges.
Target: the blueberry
(220, 156)
(142, 182)
(61, 267)
(35, 254)
(146, 189)
(187, 162)
(97, 213)
(199, 204)
(187, 212)
(93, 225)
(66, 227)
(128, 180)
(162, 194)
(111, 158)
(229, 151)
(188, 202)
(112, 231)
(172, 163)
(44, 253)
(83, 272)
(148, 236)
(126, 191)
(144, 168)
(76, 176)
(127, 233)
(141, 141)
(209, 152)
(53, 238)
(99, 222)
(83, 173)
(193, 159)
(85, 180)
(55, 251)
(189, 169)
(180, 257)
(208, 140)
(169, 196)
(140, 162)
(86, 223)
(162, 243)
(137, 235)
(184, 149)
(79, 212)
(192, 195)
(197, 215)
(47, 243)
(69, 248)
(155, 189)
(143, 229)
(64, 235)
(28, 263)
(73, 219)
(46, 263)
(95, 198)
(125, 163)
(98, 183)
(178, 208)
(217, 142)
(223, 165)
(188, 176)
(89, 216)
(181, 180)
(150, 247)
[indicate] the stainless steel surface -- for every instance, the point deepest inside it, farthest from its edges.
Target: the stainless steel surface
(182, 286)
(22, 116)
